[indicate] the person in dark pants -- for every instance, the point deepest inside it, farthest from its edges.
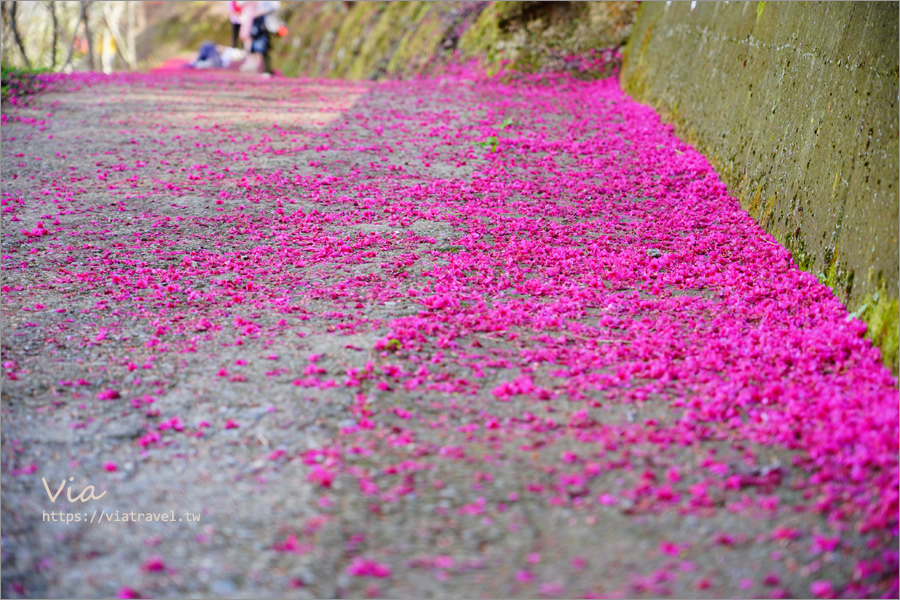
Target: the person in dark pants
(261, 42)
(254, 29)
(234, 15)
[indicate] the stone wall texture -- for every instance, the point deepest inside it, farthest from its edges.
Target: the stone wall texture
(796, 106)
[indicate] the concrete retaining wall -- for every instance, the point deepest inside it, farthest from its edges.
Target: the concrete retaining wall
(796, 106)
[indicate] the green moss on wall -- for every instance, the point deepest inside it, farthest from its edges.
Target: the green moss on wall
(307, 48)
(351, 35)
(529, 36)
(398, 20)
(881, 317)
(481, 39)
(422, 44)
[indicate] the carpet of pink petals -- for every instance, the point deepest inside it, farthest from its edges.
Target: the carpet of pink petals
(591, 264)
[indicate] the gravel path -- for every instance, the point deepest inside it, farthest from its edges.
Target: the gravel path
(439, 338)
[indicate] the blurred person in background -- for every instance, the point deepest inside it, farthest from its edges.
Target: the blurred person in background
(234, 15)
(258, 22)
(213, 56)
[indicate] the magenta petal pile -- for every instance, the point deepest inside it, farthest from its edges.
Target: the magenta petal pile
(446, 336)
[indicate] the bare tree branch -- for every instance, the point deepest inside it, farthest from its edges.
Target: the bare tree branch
(121, 44)
(52, 7)
(74, 38)
(86, 17)
(131, 30)
(16, 36)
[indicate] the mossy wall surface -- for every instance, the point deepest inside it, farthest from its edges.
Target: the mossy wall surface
(795, 105)
(533, 35)
(371, 40)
